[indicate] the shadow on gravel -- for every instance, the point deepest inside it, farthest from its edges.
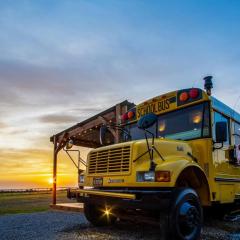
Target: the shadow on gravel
(221, 229)
(213, 229)
(120, 231)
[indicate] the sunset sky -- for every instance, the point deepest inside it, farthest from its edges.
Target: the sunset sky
(63, 61)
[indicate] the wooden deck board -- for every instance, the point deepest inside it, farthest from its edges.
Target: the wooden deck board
(73, 207)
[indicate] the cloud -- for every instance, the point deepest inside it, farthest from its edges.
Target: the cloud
(33, 165)
(62, 63)
(25, 153)
(27, 160)
(58, 119)
(25, 78)
(3, 125)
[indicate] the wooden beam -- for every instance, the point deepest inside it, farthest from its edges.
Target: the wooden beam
(109, 114)
(118, 121)
(89, 125)
(72, 207)
(54, 190)
(85, 143)
(62, 141)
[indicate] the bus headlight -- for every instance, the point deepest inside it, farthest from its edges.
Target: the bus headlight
(146, 176)
(150, 176)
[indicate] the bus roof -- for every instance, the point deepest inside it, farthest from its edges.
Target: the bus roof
(226, 110)
(175, 95)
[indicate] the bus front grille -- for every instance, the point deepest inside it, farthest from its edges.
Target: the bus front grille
(114, 160)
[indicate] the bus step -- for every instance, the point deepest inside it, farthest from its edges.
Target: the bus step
(72, 207)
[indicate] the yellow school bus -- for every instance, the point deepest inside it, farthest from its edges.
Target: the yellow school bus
(178, 152)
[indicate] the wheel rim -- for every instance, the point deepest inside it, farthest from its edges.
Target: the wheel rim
(189, 220)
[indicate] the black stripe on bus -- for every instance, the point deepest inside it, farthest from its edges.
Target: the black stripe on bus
(172, 99)
(219, 179)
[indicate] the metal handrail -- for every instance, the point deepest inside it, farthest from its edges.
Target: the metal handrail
(80, 160)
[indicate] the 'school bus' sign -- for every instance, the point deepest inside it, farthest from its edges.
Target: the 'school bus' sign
(157, 105)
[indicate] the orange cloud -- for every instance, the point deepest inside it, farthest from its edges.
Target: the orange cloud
(26, 168)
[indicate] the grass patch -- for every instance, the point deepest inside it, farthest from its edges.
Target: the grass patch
(12, 203)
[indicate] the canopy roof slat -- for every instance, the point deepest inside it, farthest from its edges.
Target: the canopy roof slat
(86, 133)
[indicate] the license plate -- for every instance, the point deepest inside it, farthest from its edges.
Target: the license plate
(97, 181)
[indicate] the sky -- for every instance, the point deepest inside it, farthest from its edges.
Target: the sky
(64, 61)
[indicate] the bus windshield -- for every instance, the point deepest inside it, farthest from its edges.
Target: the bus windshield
(183, 124)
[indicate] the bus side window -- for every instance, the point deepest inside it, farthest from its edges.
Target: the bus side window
(237, 142)
(218, 117)
(236, 133)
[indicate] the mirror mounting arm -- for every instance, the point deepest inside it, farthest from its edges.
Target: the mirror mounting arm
(217, 148)
(153, 148)
(150, 151)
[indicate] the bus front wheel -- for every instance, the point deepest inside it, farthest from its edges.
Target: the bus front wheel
(185, 216)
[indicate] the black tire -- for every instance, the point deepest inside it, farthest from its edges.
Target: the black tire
(96, 216)
(185, 216)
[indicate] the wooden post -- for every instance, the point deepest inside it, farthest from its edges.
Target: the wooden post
(118, 121)
(54, 190)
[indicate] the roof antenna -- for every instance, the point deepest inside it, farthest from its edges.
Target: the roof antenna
(208, 85)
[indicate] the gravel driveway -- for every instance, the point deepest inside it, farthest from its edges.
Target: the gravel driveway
(67, 225)
(42, 226)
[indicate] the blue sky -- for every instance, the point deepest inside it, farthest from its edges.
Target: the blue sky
(113, 42)
(63, 61)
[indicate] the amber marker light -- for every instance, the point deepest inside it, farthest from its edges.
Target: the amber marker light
(183, 96)
(162, 176)
(130, 114)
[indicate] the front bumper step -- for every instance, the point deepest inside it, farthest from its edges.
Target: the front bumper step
(72, 207)
(126, 199)
(84, 192)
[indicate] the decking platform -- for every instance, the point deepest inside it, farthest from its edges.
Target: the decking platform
(72, 207)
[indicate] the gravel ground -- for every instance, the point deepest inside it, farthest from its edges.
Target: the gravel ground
(66, 226)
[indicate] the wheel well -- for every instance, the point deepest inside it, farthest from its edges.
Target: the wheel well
(194, 177)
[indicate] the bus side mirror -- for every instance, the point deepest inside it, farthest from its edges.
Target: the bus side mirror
(102, 134)
(147, 121)
(69, 144)
(221, 132)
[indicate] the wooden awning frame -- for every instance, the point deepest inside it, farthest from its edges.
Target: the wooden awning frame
(80, 133)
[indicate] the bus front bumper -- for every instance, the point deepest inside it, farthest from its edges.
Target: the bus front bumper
(134, 199)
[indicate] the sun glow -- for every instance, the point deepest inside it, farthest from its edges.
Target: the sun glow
(50, 181)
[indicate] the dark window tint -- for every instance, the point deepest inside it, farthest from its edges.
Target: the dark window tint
(236, 133)
(218, 117)
(187, 123)
(134, 133)
(183, 124)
